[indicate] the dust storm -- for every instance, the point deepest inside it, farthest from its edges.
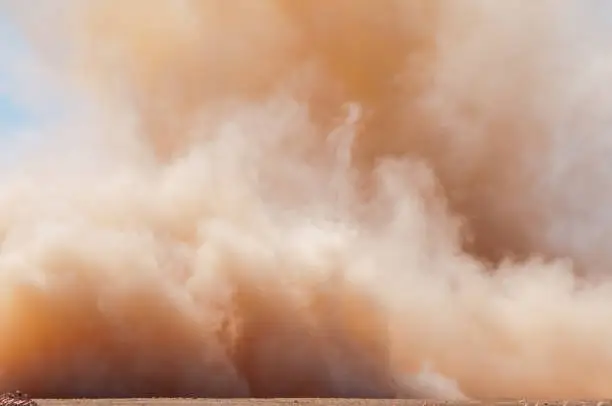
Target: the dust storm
(348, 198)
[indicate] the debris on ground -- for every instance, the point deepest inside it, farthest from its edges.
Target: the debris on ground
(16, 398)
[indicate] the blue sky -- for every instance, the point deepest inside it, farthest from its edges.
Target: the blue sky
(12, 115)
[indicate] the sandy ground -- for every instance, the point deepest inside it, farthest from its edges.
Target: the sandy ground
(309, 402)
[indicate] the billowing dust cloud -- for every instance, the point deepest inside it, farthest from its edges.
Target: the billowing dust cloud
(312, 198)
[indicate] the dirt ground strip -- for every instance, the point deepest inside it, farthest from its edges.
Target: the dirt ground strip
(308, 402)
